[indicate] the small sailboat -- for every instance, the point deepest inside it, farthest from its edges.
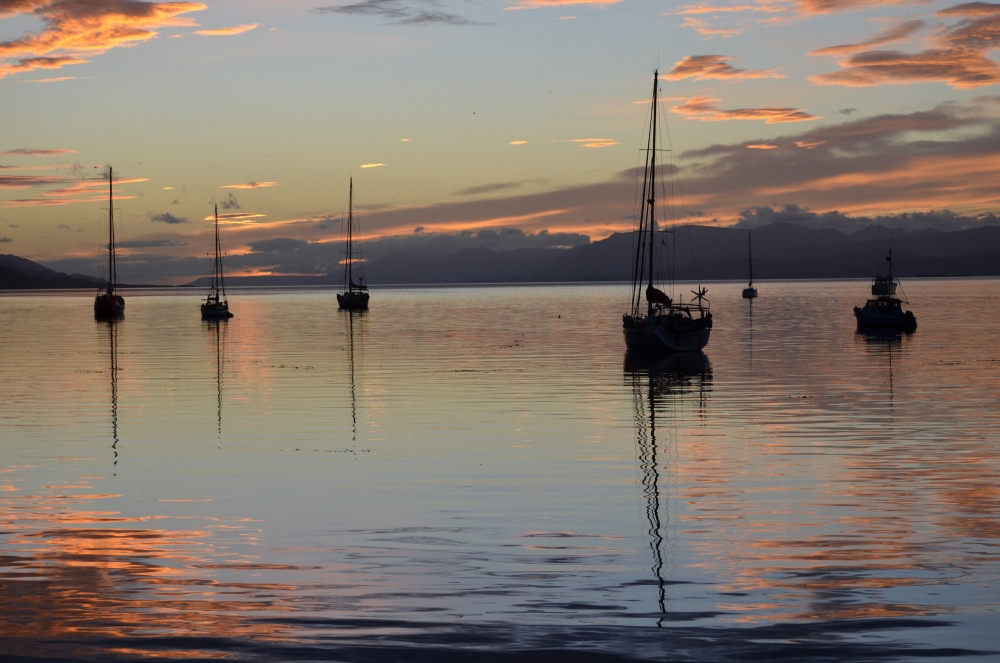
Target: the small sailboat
(662, 324)
(355, 295)
(216, 306)
(885, 310)
(750, 292)
(110, 304)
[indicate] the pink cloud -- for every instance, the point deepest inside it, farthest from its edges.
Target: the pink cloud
(706, 109)
(703, 67)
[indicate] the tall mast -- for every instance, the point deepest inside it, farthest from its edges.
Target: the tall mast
(112, 263)
(750, 254)
(652, 192)
(350, 230)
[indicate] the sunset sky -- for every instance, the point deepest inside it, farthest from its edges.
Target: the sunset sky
(498, 123)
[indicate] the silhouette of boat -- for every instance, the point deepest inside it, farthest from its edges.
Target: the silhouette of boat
(885, 310)
(355, 295)
(216, 306)
(665, 324)
(750, 292)
(110, 304)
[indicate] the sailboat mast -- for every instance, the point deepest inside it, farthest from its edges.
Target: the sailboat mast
(652, 193)
(350, 230)
(112, 263)
(750, 255)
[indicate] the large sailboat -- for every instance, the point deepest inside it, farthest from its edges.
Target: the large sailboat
(663, 323)
(216, 306)
(749, 292)
(110, 304)
(885, 310)
(355, 295)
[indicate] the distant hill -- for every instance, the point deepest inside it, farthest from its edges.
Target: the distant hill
(22, 274)
(781, 251)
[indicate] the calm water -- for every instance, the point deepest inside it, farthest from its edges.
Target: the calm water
(483, 471)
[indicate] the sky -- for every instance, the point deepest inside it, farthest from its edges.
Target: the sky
(499, 123)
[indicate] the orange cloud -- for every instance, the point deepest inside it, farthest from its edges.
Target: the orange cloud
(762, 146)
(959, 58)
(703, 67)
(372, 165)
(518, 142)
(236, 217)
(706, 109)
(594, 142)
(892, 34)
(226, 32)
(705, 28)
(709, 9)
(833, 6)
(80, 28)
(809, 144)
(24, 152)
(251, 185)
(53, 80)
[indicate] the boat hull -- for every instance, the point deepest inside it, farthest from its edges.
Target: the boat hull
(749, 293)
(353, 301)
(219, 311)
(868, 319)
(109, 306)
(689, 337)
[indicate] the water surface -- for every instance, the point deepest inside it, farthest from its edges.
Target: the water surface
(484, 471)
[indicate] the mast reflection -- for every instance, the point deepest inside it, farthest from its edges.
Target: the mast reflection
(884, 343)
(218, 326)
(351, 315)
(112, 327)
(660, 385)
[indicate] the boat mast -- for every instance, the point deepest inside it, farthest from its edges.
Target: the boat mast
(750, 254)
(217, 282)
(652, 195)
(348, 277)
(112, 262)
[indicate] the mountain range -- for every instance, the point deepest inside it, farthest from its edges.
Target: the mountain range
(693, 253)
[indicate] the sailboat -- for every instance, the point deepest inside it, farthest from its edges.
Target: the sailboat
(216, 306)
(355, 295)
(110, 304)
(750, 292)
(665, 324)
(885, 309)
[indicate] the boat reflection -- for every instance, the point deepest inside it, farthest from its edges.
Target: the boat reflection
(218, 328)
(660, 384)
(111, 324)
(353, 314)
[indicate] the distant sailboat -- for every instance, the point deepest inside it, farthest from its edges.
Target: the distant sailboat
(216, 306)
(110, 304)
(750, 292)
(355, 295)
(664, 324)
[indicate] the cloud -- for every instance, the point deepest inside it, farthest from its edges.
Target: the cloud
(704, 67)
(26, 181)
(166, 217)
(959, 57)
(229, 202)
(152, 243)
(372, 165)
(594, 142)
(706, 109)
(495, 187)
(810, 7)
(761, 146)
(249, 185)
(518, 142)
(945, 220)
(59, 79)
(725, 9)
(900, 32)
(705, 28)
(238, 218)
(226, 32)
(538, 4)
(24, 152)
(75, 28)
(398, 13)
(809, 144)
(5, 240)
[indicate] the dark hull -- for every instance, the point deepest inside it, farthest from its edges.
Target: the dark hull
(109, 306)
(749, 293)
(683, 336)
(876, 320)
(215, 311)
(353, 301)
